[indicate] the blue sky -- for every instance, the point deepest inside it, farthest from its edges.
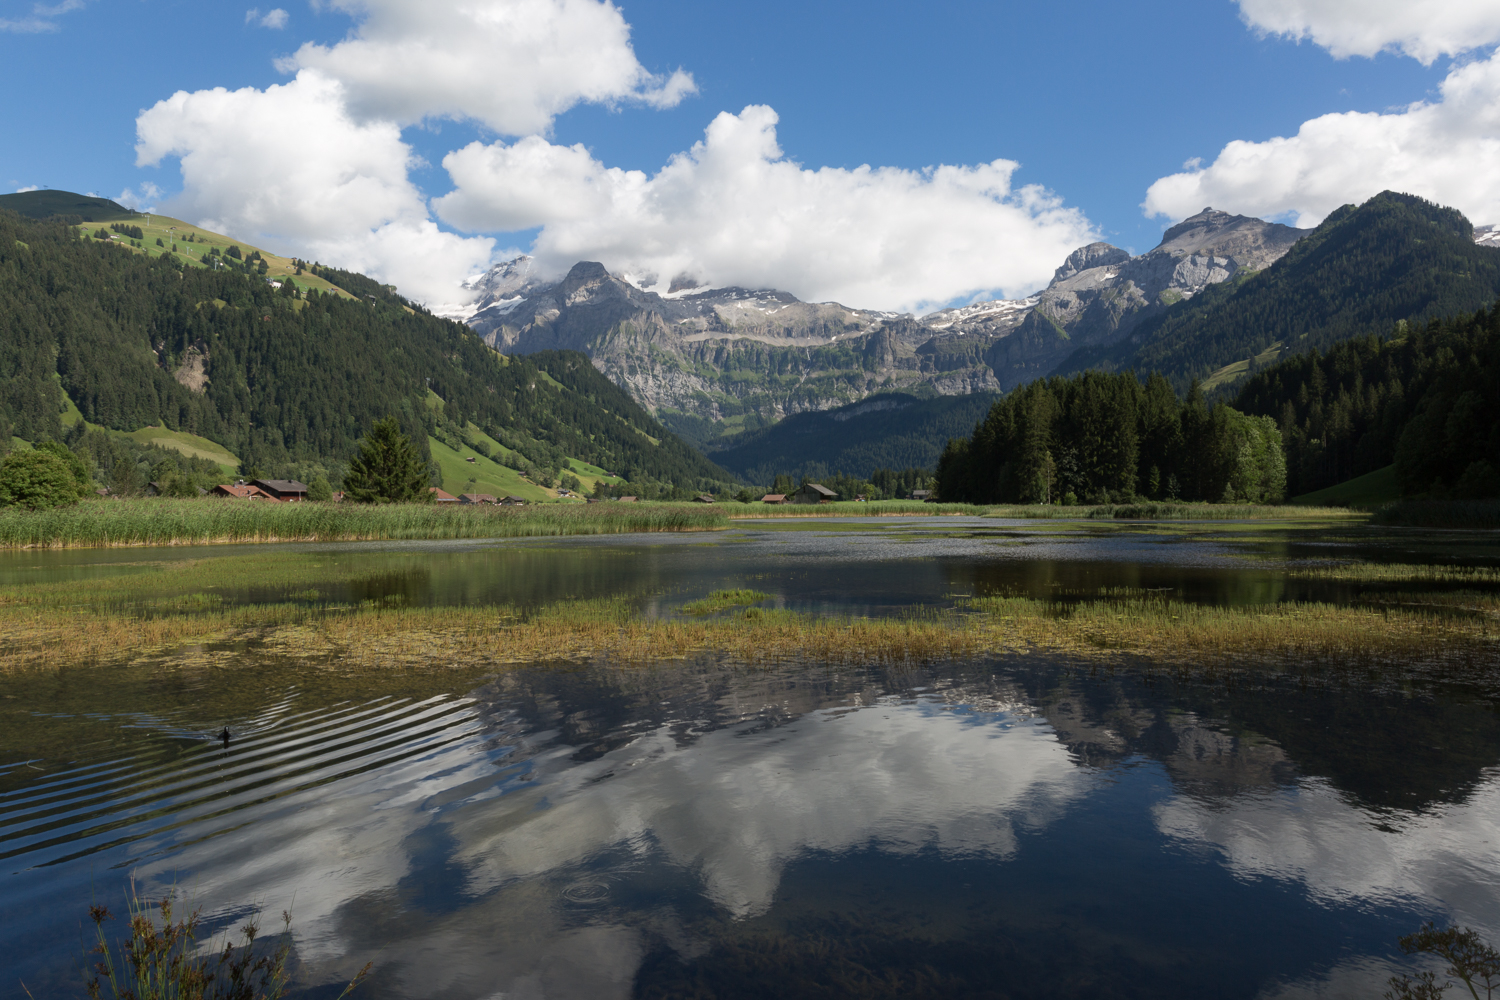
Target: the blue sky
(1094, 102)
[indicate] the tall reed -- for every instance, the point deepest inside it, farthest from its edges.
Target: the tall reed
(211, 520)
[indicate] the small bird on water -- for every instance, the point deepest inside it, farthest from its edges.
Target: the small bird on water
(224, 736)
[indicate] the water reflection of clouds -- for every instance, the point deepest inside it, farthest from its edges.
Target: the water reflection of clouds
(1443, 860)
(734, 807)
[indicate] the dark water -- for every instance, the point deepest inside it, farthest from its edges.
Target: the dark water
(1022, 826)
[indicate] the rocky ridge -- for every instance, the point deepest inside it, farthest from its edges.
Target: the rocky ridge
(711, 361)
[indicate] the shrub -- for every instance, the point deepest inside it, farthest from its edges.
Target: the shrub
(36, 479)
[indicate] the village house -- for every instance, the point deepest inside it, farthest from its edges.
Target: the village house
(921, 496)
(512, 502)
(773, 498)
(242, 491)
(629, 499)
(439, 496)
(285, 490)
(703, 498)
(475, 498)
(814, 493)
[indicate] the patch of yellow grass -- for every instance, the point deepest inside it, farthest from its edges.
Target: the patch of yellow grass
(1165, 631)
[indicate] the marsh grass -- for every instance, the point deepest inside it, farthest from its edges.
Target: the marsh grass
(1367, 572)
(1166, 630)
(211, 520)
(721, 600)
(849, 508)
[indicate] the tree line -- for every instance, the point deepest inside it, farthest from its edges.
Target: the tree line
(1425, 397)
(1101, 438)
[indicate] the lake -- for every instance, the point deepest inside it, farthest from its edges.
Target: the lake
(1019, 825)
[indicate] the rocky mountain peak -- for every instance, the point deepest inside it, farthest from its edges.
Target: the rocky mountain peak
(584, 272)
(1093, 255)
(1251, 242)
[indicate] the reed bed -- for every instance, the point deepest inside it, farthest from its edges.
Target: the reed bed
(849, 508)
(1367, 572)
(368, 637)
(207, 521)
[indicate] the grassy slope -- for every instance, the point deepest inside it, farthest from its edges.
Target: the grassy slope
(179, 441)
(491, 477)
(40, 204)
(1370, 490)
(186, 444)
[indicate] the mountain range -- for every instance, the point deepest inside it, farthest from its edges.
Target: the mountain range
(740, 358)
(716, 364)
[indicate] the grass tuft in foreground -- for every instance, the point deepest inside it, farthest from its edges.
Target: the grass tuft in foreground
(206, 521)
(161, 961)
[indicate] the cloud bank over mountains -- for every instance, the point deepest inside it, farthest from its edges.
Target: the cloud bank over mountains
(318, 165)
(734, 210)
(1441, 149)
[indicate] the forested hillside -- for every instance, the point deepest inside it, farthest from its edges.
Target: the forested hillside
(1099, 438)
(889, 431)
(1426, 398)
(280, 378)
(1367, 267)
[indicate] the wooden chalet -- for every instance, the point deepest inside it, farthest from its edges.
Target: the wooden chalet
(703, 498)
(814, 493)
(242, 491)
(512, 502)
(476, 498)
(439, 496)
(921, 495)
(773, 498)
(285, 490)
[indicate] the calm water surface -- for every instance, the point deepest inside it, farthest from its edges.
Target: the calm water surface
(1021, 826)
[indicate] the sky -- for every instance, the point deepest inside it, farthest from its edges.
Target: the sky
(884, 155)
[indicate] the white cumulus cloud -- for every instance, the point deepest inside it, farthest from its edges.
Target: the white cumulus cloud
(273, 19)
(142, 199)
(734, 210)
(1445, 150)
(513, 65)
(290, 165)
(43, 18)
(1422, 29)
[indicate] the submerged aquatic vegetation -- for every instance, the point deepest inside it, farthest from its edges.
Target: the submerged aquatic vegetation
(162, 521)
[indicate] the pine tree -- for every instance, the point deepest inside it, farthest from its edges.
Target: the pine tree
(387, 468)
